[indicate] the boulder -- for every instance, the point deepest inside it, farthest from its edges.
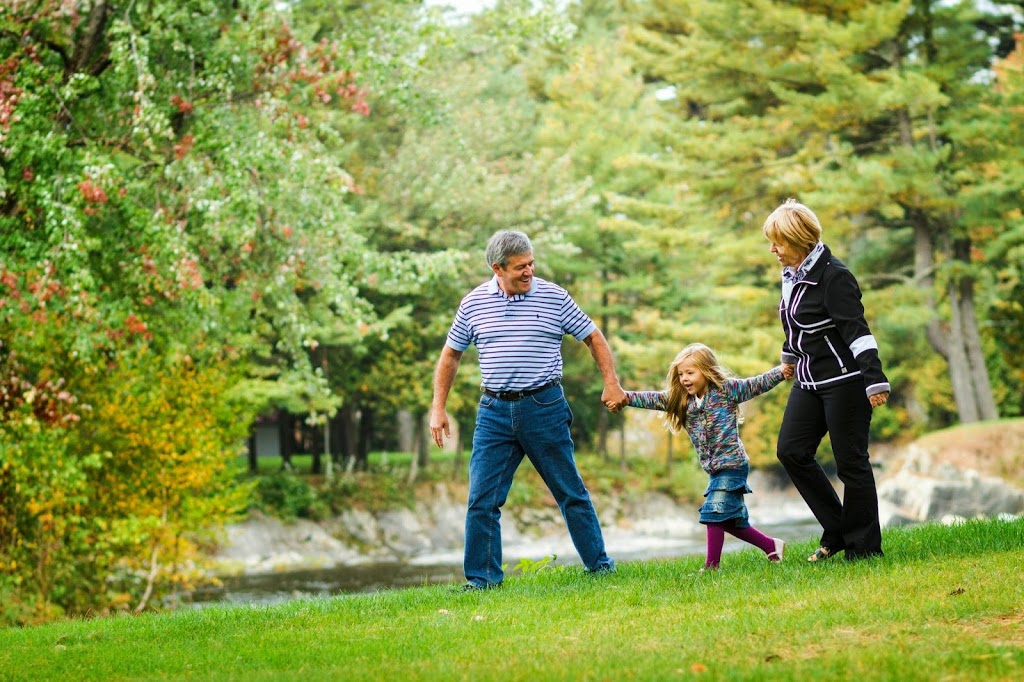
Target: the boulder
(923, 485)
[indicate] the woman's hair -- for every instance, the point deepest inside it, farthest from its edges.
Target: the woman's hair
(793, 224)
(703, 358)
(503, 245)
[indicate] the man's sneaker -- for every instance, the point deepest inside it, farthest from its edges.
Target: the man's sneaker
(780, 550)
(473, 587)
(601, 570)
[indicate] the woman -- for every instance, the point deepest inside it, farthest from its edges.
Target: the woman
(839, 381)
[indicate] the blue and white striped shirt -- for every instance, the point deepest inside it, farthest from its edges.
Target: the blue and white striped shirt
(519, 337)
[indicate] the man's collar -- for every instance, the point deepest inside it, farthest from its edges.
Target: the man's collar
(493, 288)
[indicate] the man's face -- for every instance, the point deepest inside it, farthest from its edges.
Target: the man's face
(517, 276)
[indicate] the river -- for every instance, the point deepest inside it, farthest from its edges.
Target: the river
(364, 578)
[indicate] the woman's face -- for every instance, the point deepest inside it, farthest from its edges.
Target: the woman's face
(788, 255)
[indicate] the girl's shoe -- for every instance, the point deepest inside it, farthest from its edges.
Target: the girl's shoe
(820, 554)
(780, 550)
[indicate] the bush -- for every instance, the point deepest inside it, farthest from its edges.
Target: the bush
(285, 495)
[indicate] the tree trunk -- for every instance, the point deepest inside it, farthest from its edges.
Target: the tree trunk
(347, 422)
(406, 423)
(287, 432)
(253, 462)
(423, 451)
(959, 368)
(976, 368)
(959, 343)
(365, 437)
(315, 448)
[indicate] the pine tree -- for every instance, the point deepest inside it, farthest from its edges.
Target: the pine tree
(870, 112)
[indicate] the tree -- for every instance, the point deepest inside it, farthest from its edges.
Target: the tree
(173, 190)
(864, 110)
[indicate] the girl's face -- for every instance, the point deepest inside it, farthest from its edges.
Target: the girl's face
(691, 379)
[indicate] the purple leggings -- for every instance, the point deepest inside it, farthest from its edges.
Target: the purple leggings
(716, 538)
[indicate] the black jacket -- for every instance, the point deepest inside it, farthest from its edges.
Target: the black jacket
(827, 336)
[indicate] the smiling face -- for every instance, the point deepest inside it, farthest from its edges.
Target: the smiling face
(516, 277)
(793, 231)
(691, 379)
(787, 254)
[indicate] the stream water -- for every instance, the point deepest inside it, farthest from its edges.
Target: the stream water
(375, 577)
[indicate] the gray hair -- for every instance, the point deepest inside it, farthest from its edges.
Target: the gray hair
(504, 244)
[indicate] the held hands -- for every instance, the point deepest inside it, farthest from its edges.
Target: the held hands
(614, 398)
(878, 399)
(788, 371)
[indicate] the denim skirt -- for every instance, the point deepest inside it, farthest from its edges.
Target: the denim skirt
(724, 497)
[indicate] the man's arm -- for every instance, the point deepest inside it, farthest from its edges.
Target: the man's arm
(612, 396)
(444, 377)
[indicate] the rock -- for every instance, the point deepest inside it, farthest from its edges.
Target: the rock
(262, 544)
(432, 532)
(923, 489)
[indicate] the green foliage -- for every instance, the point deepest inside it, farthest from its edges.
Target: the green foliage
(527, 566)
(879, 116)
(211, 207)
(287, 496)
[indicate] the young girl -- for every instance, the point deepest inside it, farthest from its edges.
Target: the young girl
(704, 400)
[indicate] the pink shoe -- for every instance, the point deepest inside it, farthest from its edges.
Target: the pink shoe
(780, 550)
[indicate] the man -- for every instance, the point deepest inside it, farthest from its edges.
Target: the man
(517, 322)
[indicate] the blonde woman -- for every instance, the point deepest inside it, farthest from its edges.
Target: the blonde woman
(839, 381)
(702, 399)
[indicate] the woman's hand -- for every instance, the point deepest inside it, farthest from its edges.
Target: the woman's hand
(878, 399)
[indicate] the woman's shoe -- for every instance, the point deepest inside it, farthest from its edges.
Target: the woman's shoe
(820, 554)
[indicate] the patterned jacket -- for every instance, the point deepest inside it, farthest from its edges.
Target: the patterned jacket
(714, 426)
(827, 337)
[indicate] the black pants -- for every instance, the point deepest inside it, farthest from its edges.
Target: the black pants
(842, 411)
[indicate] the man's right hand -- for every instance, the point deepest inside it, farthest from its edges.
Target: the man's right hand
(439, 428)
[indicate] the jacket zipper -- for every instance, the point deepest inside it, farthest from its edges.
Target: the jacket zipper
(842, 367)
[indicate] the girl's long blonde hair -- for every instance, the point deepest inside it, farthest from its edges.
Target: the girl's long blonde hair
(703, 358)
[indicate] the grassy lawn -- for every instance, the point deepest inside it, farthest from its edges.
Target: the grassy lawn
(946, 603)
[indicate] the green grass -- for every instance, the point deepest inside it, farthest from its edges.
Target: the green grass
(946, 603)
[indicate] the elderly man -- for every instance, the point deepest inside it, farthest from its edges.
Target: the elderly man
(517, 322)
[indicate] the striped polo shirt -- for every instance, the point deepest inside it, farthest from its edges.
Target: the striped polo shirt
(519, 338)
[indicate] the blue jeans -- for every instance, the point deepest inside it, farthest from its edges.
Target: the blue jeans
(536, 426)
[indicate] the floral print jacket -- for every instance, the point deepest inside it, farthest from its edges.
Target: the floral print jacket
(714, 426)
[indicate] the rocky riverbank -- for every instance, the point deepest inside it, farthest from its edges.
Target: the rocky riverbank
(652, 524)
(914, 486)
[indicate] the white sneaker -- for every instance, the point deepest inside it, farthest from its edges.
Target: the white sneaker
(780, 550)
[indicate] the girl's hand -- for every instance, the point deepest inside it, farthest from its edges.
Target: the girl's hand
(788, 371)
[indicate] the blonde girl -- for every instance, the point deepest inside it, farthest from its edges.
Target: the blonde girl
(702, 399)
